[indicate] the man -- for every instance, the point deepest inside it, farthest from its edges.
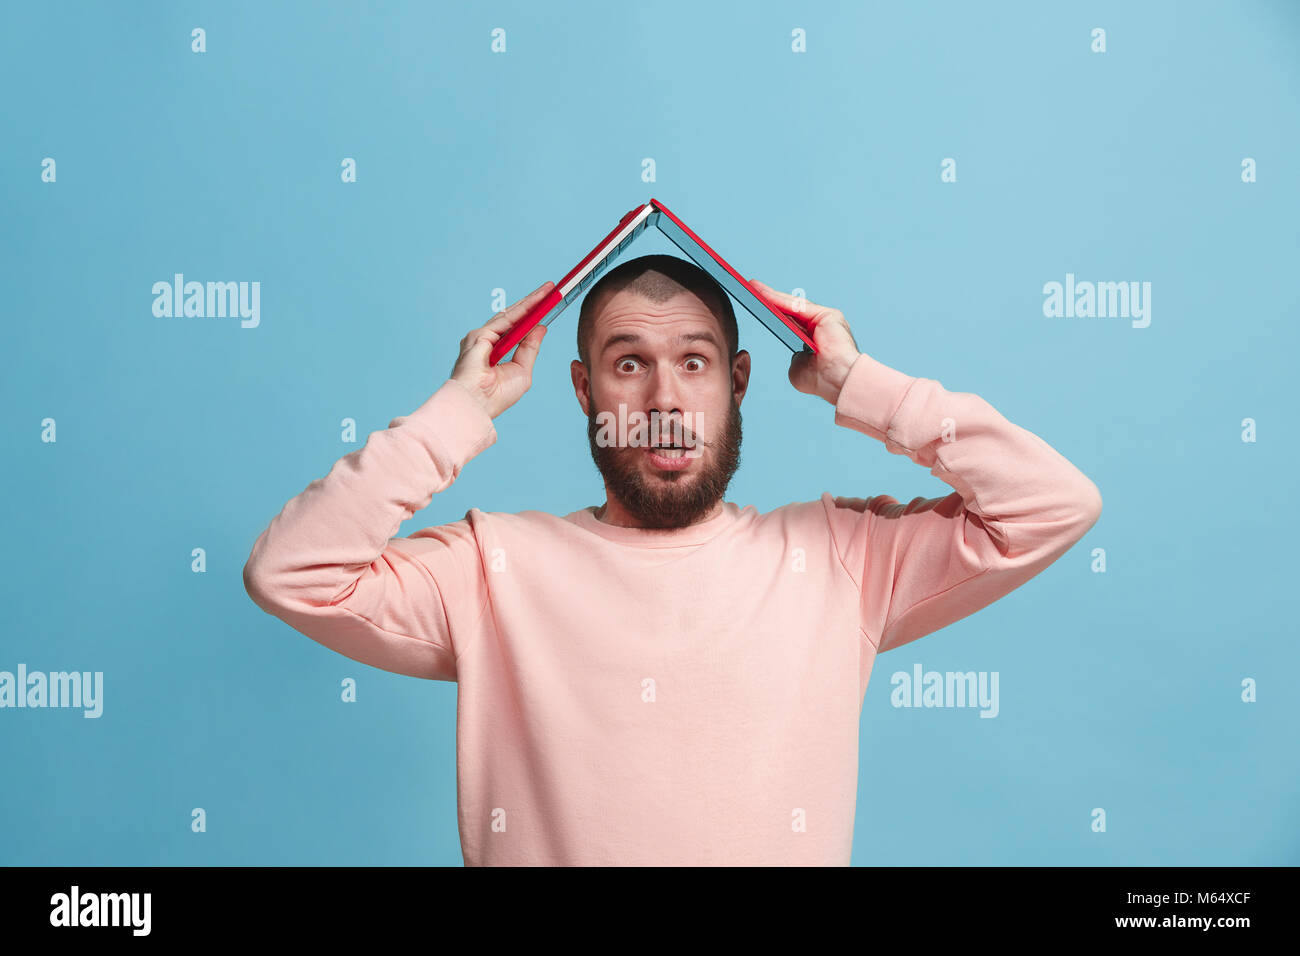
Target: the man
(668, 678)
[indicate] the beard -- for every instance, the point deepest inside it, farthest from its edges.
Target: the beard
(672, 499)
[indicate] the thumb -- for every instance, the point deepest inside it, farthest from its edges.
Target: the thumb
(526, 351)
(801, 366)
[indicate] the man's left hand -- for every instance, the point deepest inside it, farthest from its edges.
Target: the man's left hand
(822, 372)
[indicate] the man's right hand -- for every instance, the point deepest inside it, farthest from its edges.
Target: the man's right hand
(499, 386)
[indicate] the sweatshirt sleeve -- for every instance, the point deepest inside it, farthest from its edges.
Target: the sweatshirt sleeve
(1018, 505)
(329, 566)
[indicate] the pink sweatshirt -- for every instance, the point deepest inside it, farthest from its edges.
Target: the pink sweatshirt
(634, 697)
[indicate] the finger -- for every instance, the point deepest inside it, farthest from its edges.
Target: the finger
(526, 352)
(796, 304)
(507, 317)
(776, 295)
(801, 362)
(486, 338)
(478, 353)
(801, 370)
(809, 312)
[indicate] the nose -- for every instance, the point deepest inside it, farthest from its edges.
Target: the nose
(665, 394)
(664, 402)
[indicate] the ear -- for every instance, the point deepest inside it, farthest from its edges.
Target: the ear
(581, 385)
(740, 375)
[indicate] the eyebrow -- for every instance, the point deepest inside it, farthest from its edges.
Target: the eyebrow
(631, 338)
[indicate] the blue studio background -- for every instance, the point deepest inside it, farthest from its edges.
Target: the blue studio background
(476, 171)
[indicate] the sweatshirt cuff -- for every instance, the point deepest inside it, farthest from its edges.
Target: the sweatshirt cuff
(870, 396)
(461, 425)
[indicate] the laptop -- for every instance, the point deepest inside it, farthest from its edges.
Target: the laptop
(789, 328)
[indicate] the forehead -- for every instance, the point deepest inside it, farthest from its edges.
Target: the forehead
(625, 318)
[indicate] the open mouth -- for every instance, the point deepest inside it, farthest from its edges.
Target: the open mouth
(669, 457)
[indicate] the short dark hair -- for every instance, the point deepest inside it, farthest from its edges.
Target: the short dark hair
(659, 278)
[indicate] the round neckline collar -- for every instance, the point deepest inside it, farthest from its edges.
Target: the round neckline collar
(696, 533)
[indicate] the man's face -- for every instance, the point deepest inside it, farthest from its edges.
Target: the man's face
(668, 362)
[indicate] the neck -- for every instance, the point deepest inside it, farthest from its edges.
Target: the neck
(612, 512)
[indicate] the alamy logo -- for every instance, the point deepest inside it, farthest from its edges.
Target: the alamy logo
(636, 429)
(102, 909)
(949, 689)
(1102, 300)
(213, 300)
(56, 689)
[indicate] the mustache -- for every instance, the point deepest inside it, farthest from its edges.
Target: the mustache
(644, 434)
